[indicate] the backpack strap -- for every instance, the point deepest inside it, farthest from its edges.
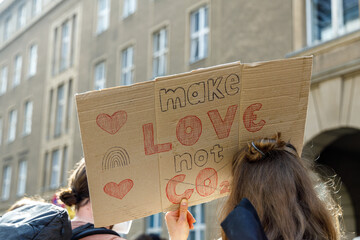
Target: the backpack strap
(88, 230)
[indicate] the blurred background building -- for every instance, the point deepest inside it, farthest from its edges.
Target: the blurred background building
(52, 49)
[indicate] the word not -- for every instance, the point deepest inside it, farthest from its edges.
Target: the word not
(115, 157)
(205, 183)
(199, 92)
(119, 190)
(200, 158)
(113, 123)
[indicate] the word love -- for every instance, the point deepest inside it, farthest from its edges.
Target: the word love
(118, 190)
(205, 184)
(189, 128)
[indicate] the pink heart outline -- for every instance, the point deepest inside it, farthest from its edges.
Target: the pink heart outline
(113, 123)
(118, 190)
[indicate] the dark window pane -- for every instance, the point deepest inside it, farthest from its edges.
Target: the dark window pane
(351, 10)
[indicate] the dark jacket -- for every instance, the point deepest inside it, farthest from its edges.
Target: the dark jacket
(36, 221)
(243, 223)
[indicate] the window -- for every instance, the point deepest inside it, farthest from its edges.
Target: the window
(154, 224)
(65, 46)
(1, 130)
(69, 106)
(3, 79)
(7, 28)
(199, 28)
(103, 15)
(33, 60)
(60, 103)
(198, 233)
(17, 71)
(21, 186)
(27, 118)
(46, 171)
(35, 7)
(49, 120)
(127, 70)
(327, 19)
(160, 53)
(129, 8)
(12, 125)
(6, 183)
(55, 169)
(100, 76)
(65, 166)
(21, 17)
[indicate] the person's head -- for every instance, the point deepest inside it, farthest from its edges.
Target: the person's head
(281, 187)
(78, 192)
(26, 201)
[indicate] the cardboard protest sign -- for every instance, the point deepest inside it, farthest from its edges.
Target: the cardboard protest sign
(151, 144)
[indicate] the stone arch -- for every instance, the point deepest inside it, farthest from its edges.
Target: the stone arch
(339, 150)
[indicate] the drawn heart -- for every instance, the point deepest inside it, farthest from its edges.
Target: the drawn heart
(113, 123)
(119, 190)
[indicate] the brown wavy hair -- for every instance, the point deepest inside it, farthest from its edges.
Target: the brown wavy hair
(77, 192)
(282, 188)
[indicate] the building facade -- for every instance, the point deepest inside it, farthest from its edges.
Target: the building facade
(53, 49)
(329, 30)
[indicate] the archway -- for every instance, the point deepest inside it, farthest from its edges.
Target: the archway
(339, 149)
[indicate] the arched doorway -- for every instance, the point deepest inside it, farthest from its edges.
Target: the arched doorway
(339, 150)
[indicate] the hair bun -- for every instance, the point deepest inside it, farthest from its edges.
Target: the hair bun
(259, 148)
(68, 197)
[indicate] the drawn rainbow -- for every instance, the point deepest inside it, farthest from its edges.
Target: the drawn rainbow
(115, 157)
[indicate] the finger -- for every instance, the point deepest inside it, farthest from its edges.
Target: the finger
(183, 210)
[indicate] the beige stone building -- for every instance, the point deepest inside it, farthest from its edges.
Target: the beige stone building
(52, 49)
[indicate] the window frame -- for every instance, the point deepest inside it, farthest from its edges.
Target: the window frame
(337, 25)
(21, 16)
(65, 161)
(1, 129)
(55, 183)
(6, 183)
(36, 8)
(65, 45)
(60, 109)
(160, 37)
(4, 75)
(201, 36)
(33, 58)
(22, 175)
(125, 67)
(18, 62)
(129, 8)
(12, 126)
(100, 81)
(8, 28)
(103, 16)
(27, 121)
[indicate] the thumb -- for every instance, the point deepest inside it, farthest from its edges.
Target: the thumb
(183, 210)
